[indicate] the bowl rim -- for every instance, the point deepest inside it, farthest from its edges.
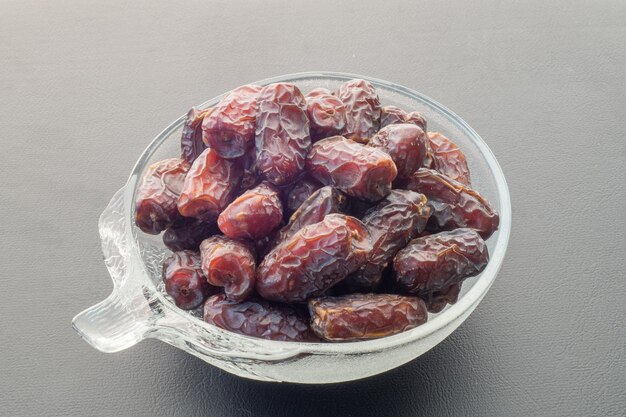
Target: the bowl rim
(449, 315)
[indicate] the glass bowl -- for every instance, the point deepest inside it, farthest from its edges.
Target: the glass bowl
(138, 308)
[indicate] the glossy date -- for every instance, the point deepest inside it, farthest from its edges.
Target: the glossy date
(362, 109)
(184, 280)
(405, 143)
(447, 158)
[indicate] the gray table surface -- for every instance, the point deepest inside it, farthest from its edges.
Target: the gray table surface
(85, 85)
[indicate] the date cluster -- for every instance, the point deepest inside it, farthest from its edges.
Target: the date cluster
(318, 217)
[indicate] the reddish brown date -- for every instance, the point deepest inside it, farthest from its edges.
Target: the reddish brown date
(405, 143)
(258, 319)
(391, 115)
(365, 316)
(230, 264)
(324, 201)
(437, 300)
(252, 215)
(392, 224)
(314, 259)
(358, 170)
(282, 133)
(229, 129)
(453, 205)
(362, 109)
(184, 280)
(435, 262)
(327, 114)
(447, 158)
(250, 178)
(157, 195)
(300, 191)
(191, 144)
(188, 233)
(210, 185)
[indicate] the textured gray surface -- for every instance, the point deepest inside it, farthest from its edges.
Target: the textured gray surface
(84, 87)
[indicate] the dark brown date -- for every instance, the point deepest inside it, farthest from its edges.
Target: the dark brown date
(447, 158)
(250, 178)
(252, 215)
(229, 129)
(437, 300)
(297, 194)
(435, 262)
(453, 205)
(358, 170)
(157, 195)
(362, 109)
(184, 280)
(282, 133)
(392, 224)
(324, 201)
(258, 319)
(191, 144)
(405, 143)
(365, 316)
(314, 259)
(188, 233)
(230, 264)
(327, 114)
(210, 185)
(391, 115)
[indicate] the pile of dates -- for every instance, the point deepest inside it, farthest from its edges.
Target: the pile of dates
(318, 217)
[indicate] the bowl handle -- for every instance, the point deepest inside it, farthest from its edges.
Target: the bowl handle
(123, 318)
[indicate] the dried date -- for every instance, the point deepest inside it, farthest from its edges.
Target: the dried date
(358, 170)
(297, 194)
(391, 115)
(252, 215)
(188, 233)
(210, 185)
(434, 262)
(362, 109)
(229, 129)
(405, 143)
(157, 195)
(453, 205)
(392, 224)
(448, 159)
(230, 264)
(258, 319)
(314, 259)
(437, 300)
(365, 316)
(191, 144)
(282, 133)
(327, 114)
(184, 280)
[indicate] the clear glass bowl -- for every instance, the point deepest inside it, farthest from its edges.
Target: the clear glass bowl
(138, 308)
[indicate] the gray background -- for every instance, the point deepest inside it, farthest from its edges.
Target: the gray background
(85, 86)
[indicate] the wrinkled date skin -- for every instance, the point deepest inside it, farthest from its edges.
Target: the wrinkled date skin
(437, 300)
(191, 144)
(188, 233)
(300, 191)
(157, 195)
(405, 143)
(314, 259)
(362, 109)
(327, 114)
(391, 115)
(435, 262)
(250, 178)
(392, 224)
(229, 129)
(252, 215)
(448, 159)
(453, 205)
(365, 316)
(326, 200)
(184, 280)
(230, 264)
(282, 133)
(258, 319)
(360, 171)
(210, 185)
